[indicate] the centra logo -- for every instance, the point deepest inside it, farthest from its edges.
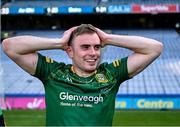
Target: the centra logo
(71, 97)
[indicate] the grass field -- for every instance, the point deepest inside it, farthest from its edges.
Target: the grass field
(122, 118)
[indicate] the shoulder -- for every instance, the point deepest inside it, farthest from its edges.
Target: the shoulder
(47, 59)
(114, 64)
(47, 62)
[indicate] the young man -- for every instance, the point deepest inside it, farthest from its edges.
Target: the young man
(82, 93)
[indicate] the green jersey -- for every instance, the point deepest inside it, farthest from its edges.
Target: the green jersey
(80, 101)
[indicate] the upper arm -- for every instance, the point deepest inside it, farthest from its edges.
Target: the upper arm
(27, 62)
(138, 62)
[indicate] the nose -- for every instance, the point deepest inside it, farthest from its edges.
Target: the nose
(92, 51)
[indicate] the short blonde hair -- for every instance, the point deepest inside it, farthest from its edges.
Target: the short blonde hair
(82, 29)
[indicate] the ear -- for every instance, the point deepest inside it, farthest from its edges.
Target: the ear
(69, 51)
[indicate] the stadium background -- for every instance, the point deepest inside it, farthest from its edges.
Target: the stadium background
(155, 91)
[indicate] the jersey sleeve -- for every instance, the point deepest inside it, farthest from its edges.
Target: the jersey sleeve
(44, 67)
(119, 69)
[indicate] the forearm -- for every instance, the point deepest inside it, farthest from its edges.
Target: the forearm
(135, 43)
(30, 44)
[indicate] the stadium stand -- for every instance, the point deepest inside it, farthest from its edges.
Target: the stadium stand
(161, 77)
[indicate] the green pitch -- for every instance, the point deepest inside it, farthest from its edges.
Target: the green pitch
(147, 118)
(122, 118)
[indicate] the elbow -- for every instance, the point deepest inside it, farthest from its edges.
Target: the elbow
(6, 45)
(158, 48)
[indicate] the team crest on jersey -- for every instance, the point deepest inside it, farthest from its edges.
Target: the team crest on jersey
(101, 78)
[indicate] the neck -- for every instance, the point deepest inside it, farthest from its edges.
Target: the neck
(81, 73)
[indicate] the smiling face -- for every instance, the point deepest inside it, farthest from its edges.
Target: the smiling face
(85, 52)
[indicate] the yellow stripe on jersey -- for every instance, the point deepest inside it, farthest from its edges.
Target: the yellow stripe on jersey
(49, 60)
(116, 63)
(52, 61)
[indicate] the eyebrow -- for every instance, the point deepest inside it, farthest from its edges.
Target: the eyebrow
(90, 45)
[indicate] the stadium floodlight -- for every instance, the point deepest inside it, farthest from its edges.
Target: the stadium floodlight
(177, 25)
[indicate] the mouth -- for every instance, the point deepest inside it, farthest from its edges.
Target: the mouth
(91, 61)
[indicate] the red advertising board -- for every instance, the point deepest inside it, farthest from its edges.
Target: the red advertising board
(161, 8)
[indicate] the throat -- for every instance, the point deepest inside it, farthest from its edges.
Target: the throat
(81, 73)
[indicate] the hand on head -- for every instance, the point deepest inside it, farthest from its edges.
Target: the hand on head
(66, 36)
(103, 36)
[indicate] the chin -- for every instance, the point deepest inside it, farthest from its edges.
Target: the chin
(91, 69)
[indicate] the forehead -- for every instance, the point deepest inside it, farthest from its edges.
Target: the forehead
(87, 39)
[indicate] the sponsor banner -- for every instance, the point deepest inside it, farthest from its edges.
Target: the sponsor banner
(147, 103)
(156, 103)
(122, 102)
(119, 9)
(23, 10)
(161, 8)
(2, 103)
(25, 103)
